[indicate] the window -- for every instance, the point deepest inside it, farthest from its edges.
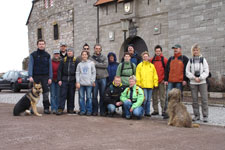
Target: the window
(48, 3)
(56, 31)
(39, 34)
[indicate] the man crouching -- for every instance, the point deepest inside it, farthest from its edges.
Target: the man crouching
(112, 96)
(133, 98)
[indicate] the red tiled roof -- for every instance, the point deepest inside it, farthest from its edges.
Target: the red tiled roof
(99, 2)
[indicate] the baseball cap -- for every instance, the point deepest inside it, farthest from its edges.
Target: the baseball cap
(70, 49)
(56, 51)
(176, 46)
(63, 44)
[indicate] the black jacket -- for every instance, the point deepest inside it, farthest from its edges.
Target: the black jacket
(112, 94)
(67, 70)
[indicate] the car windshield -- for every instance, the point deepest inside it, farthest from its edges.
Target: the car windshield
(23, 73)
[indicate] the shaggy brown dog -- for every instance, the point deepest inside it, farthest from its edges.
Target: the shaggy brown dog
(178, 114)
(29, 100)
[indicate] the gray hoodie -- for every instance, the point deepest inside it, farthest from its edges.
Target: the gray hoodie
(86, 73)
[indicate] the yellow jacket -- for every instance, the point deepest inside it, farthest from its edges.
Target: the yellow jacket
(146, 75)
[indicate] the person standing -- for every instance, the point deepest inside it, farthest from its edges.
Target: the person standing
(126, 69)
(66, 80)
(197, 71)
(132, 98)
(55, 90)
(85, 48)
(112, 67)
(40, 71)
(175, 74)
(135, 58)
(63, 47)
(101, 64)
(85, 80)
(147, 79)
(159, 62)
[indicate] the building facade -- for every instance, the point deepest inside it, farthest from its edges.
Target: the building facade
(144, 23)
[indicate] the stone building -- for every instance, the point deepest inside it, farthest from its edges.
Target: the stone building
(145, 23)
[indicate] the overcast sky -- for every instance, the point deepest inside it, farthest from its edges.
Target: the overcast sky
(14, 38)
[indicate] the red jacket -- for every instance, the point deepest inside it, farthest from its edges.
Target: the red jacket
(159, 66)
(55, 66)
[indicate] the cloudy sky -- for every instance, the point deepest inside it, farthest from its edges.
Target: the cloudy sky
(14, 38)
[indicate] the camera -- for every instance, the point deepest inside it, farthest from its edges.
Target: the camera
(197, 73)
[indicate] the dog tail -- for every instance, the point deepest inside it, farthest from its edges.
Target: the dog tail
(195, 125)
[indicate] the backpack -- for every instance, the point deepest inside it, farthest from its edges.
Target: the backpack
(162, 59)
(137, 87)
(132, 67)
(65, 59)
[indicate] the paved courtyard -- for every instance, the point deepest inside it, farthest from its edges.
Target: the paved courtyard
(69, 132)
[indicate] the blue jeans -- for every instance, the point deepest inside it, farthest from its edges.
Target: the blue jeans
(147, 102)
(100, 85)
(55, 89)
(172, 85)
(138, 112)
(88, 106)
(111, 108)
(67, 92)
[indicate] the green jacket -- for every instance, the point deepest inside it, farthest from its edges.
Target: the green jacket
(126, 72)
(138, 96)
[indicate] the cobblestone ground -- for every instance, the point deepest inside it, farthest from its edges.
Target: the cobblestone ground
(216, 114)
(69, 132)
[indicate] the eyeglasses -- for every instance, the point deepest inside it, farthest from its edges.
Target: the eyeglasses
(86, 48)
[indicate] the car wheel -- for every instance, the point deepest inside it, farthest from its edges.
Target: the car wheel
(14, 88)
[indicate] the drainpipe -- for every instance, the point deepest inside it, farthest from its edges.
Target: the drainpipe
(97, 40)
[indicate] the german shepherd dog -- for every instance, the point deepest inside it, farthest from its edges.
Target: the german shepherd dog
(178, 114)
(29, 100)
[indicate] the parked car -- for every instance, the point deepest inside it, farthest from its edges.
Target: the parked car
(14, 80)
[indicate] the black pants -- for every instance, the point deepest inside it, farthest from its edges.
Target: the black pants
(43, 79)
(67, 91)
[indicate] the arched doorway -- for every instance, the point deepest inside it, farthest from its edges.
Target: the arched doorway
(139, 45)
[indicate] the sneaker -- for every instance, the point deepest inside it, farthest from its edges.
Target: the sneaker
(163, 113)
(205, 119)
(128, 117)
(46, 111)
(81, 113)
(59, 112)
(196, 118)
(88, 114)
(54, 111)
(155, 113)
(147, 115)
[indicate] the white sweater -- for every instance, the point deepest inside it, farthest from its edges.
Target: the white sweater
(202, 67)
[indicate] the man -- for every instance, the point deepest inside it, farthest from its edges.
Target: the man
(112, 96)
(40, 70)
(126, 69)
(101, 64)
(63, 52)
(135, 58)
(159, 62)
(175, 74)
(66, 80)
(86, 48)
(133, 98)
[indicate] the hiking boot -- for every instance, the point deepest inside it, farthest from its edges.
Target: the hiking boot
(59, 112)
(71, 112)
(155, 113)
(166, 116)
(147, 115)
(196, 118)
(128, 117)
(205, 119)
(94, 114)
(54, 111)
(81, 113)
(163, 113)
(46, 111)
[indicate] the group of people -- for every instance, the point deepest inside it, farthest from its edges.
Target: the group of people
(130, 84)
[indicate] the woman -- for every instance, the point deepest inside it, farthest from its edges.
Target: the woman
(85, 80)
(197, 71)
(147, 79)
